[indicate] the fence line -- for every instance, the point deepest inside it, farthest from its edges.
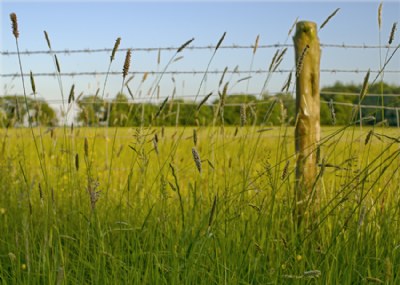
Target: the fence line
(188, 72)
(246, 73)
(208, 47)
(161, 98)
(268, 101)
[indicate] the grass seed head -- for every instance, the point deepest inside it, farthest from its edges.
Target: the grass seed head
(196, 158)
(116, 45)
(364, 88)
(71, 97)
(286, 87)
(204, 101)
(33, 83)
(14, 24)
(77, 162)
(299, 65)
(332, 111)
(182, 47)
(47, 39)
(368, 137)
(195, 137)
(127, 63)
(285, 170)
(220, 41)
(380, 15)
(271, 65)
(393, 31)
(145, 76)
(86, 147)
(243, 115)
(256, 44)
(212, 212)
(155, 144)
(57, 64)
(329, 17)
(223, 75)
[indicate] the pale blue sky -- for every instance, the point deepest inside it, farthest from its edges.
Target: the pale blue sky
(96, 24)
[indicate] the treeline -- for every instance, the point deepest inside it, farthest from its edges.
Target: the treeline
(13, 112)
(235, 109)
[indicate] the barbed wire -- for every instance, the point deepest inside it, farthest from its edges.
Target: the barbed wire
(251, 103)
(207, 47)
(191, 96)
(188, 72)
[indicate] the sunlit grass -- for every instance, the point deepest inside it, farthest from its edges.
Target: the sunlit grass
(139, 230)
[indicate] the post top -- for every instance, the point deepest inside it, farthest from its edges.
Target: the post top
(306, 23)
(306, 28)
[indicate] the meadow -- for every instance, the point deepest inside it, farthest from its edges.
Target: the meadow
(130, 206)
(210, 204)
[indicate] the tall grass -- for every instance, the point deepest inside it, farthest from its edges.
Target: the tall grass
(210, 205)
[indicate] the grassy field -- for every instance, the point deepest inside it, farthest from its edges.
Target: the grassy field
(130, 206)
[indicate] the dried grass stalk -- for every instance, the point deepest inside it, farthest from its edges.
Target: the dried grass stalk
(292, 27)
(329, 18)
(244, 78)
(280, 57)
(271, 65)
(129, 91)
(95, 95)
(129, 79)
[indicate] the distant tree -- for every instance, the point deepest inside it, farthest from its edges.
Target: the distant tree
(344, 114)
(13, 112)
(92, 111)
(268, 110)
(119, 111)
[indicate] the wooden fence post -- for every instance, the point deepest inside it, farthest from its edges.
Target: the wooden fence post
(307, 127)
